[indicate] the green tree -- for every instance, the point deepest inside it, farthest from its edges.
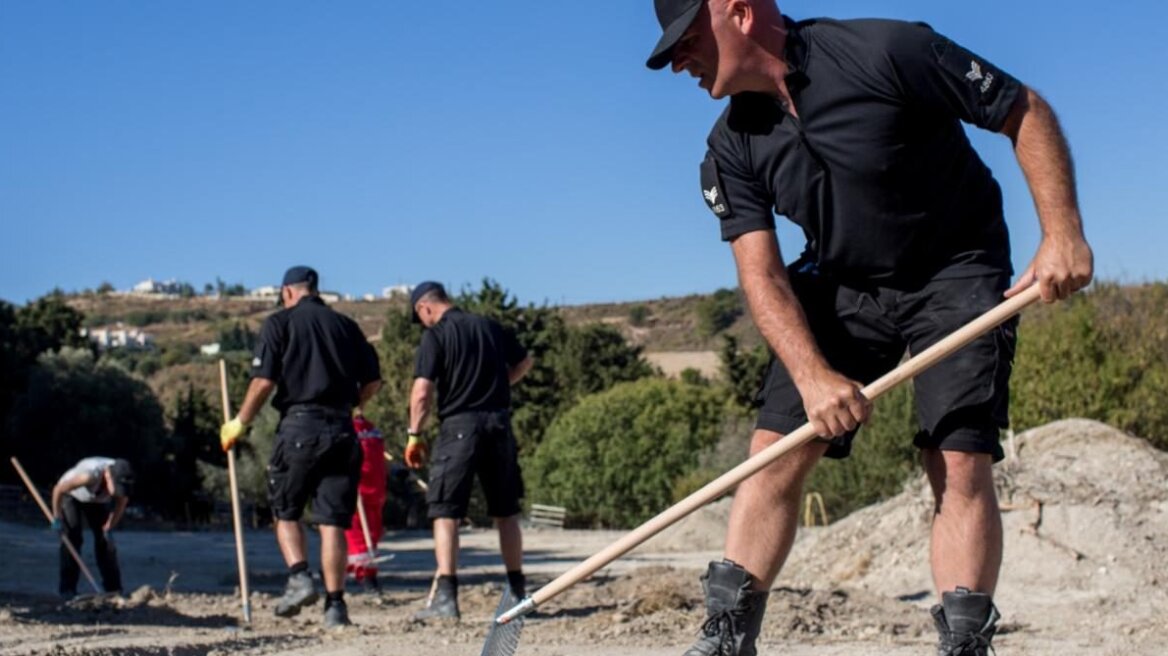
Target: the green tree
(194, 439)
(638, 314)
(237, 336)
(43, 326)
(743, 371)
(73, 407)
(47, 324)
(1101, 355)
(718, 311)
(616, 457)
(569, 362)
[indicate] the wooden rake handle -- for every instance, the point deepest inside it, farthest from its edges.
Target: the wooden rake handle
(49, 516)
(240, 555)
(746, 469)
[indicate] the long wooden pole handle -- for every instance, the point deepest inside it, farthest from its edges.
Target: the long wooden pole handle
(369, 548)
(240, 555)
(800, 436)
(49, 516)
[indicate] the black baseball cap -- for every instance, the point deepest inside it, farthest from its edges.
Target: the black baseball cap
(299, 274)
(675, 17)
(418, 292)
(123, 477)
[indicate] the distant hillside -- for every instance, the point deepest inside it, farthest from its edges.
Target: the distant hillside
(667, 329)
(666, 324)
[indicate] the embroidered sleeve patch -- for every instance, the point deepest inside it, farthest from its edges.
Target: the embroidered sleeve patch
(712, 189)
(961, 63)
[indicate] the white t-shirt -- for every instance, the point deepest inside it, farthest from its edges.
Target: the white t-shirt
(96, 491)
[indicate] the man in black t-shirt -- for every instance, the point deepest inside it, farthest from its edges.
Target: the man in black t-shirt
(320, 366)
(853, 130)
(470, 363)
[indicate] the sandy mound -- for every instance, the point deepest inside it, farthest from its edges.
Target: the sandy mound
(1086, 532)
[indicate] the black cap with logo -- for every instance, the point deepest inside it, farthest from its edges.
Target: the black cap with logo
(675, 17)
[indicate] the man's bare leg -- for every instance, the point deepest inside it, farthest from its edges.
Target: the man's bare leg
(293, 541)
(334, 552)
(510, 542)
(446, 545)
(966, 548)
(765, 513)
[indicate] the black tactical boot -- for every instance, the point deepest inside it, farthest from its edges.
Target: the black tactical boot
(336, 614)
(517, 582)
(443, 602)
(299, 592)
(734, 611)
(966, 622)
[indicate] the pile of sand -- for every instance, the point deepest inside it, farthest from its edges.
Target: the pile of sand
(1085, 512)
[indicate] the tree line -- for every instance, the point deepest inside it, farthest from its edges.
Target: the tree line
(599, 430)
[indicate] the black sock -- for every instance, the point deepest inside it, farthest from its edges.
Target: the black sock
(333, 597)
(299, 567)
(517, 581)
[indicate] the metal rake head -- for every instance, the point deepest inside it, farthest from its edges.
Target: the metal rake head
(503, 639)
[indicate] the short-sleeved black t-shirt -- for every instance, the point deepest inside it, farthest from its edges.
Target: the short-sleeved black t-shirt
(468, 358)
(876, 169)
(314, 355)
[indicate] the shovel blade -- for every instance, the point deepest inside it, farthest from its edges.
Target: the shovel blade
(503, 639)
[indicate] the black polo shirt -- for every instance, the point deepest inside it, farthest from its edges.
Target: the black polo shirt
(877, 169)
(468, 357)
(314, 355)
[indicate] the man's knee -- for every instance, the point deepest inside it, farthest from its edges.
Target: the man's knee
(786, 474)
(960, 474)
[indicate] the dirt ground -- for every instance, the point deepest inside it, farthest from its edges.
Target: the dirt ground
(1086, 519)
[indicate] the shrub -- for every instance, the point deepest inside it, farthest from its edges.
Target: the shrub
(617, 456)
(718, 311)
(638, 314)
(1101, 355)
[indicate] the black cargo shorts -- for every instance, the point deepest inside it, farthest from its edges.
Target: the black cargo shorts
(315, 457)
(475, 443)
(962, 401)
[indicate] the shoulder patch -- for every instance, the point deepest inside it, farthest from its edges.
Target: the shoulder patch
(964, 65)
(712, 188)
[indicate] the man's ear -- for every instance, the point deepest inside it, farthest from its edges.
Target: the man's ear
(741, 14)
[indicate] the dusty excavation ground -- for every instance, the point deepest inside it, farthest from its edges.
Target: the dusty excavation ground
(1086, 573)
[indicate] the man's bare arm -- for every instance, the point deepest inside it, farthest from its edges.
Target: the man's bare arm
(1064, 262)
(366, 393)
(421, 399)
(516, 373)
(258, 391)
(832, 401)
(120, 504)
(64, 487)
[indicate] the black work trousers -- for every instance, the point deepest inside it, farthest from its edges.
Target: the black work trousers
(94, 514)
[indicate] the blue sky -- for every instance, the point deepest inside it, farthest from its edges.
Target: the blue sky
(387, 142)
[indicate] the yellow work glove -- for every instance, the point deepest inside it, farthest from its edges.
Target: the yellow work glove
(230, 433)
(415, 455)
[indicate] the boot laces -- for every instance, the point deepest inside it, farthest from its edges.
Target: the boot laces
(967, 644)
(721, 625)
